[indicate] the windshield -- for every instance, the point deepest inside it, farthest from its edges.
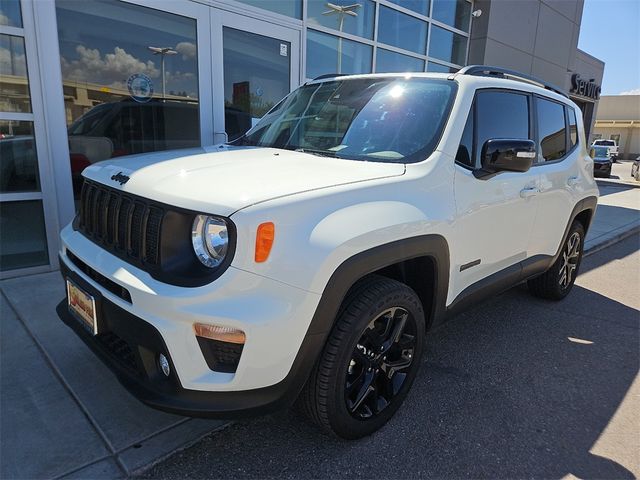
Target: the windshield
(378, 119)
(601, 151)
(608, 143)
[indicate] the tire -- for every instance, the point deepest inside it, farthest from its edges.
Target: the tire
(354, 390)
(556, 283)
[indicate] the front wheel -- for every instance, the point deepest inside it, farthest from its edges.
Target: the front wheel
(369, 361)
(556, 283)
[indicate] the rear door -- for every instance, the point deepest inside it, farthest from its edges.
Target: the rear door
(494, 215)
(557, 165)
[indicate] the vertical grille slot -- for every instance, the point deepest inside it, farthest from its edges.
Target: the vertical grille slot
(123, 224)
(152, 237)
(137, 228)
(112, 217)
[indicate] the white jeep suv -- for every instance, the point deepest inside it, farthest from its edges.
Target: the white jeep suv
(306, 260)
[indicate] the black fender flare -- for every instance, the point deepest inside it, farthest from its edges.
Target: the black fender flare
(343, 278)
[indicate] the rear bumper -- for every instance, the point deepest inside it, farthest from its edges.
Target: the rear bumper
(130, 346)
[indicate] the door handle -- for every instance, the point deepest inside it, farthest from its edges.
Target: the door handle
(572, 181)
(529, 192)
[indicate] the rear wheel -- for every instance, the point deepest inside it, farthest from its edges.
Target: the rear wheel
(370, 360)
(556, 283)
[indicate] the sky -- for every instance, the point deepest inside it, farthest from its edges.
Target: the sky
(610, 31)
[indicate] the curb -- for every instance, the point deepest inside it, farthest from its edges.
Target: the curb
(615, 239)
(621, 184)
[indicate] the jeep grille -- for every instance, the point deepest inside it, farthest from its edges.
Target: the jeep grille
(121, 224)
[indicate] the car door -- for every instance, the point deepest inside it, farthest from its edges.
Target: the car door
(557, 166)
(494, 215)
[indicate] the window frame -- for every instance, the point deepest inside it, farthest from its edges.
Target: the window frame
(474, 111)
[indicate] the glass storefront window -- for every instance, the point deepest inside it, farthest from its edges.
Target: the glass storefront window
(388, 61)
(18, 159)
(14, 86)
(419, 6)
(447, 46)
(130, 80)
(401, 30)
(439, 68)
(10, 14)
(346, 16)
(256, 77)
(331, 54)
(456, 13)
(23, 241)
(290, 8)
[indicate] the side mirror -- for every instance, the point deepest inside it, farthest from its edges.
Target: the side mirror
(506, 155)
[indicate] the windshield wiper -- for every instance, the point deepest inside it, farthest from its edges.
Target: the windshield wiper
(321, 153)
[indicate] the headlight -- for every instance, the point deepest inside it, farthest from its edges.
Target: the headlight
(210, 239)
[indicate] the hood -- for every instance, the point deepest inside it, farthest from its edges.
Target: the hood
(221, 180)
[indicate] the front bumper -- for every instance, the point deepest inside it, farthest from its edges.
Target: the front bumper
(130, 346)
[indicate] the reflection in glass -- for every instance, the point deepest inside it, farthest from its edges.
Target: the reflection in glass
(456, 13)
(23, 242)
(551, 131)
(331, 54)
(130, 80)
(346, 16)
(256, 77)
(10, 14)
(18, 159)
(393, 120)
(420, 6)
(388, 61)
(500, 115)
(573, 126)
(447, 46)
(14, 86)
(401, 30)
(290, 8)
(439, 68)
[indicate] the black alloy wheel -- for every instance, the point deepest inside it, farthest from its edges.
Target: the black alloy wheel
(379, 363)
(369, 361)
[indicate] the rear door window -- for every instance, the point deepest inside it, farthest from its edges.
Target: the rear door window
(552, 131)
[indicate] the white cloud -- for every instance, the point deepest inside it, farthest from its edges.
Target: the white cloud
(16, 67)
(635, 91)
(112, 68)
(187, 49)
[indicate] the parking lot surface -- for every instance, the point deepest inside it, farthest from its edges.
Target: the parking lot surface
(515, 387)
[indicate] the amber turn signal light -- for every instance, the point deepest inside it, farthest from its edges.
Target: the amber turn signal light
(220, 333)
(264, 241)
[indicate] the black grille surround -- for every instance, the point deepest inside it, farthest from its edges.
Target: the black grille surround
(150, 235)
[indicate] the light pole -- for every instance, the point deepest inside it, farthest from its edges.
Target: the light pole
(162, 51)
(341, 11)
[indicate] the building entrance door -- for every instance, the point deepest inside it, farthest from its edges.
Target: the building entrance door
(260, 65)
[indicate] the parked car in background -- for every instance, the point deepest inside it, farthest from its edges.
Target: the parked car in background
(635, 169)
(601, 161)
(611, 144)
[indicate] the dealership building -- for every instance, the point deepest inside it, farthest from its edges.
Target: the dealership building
(84, 81)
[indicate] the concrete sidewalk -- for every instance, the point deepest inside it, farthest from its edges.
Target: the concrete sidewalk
(64, 415)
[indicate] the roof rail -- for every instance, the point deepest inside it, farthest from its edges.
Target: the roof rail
(328, 75)
(489, 71)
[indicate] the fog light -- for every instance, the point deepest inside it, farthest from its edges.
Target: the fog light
(222, 334)
(164, 364)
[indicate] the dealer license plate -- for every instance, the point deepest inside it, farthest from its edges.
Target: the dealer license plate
(83, 306)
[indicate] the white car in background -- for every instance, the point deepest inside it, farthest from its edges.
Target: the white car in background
(611, 144)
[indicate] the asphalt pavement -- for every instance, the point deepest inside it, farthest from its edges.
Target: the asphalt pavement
(515, 387)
